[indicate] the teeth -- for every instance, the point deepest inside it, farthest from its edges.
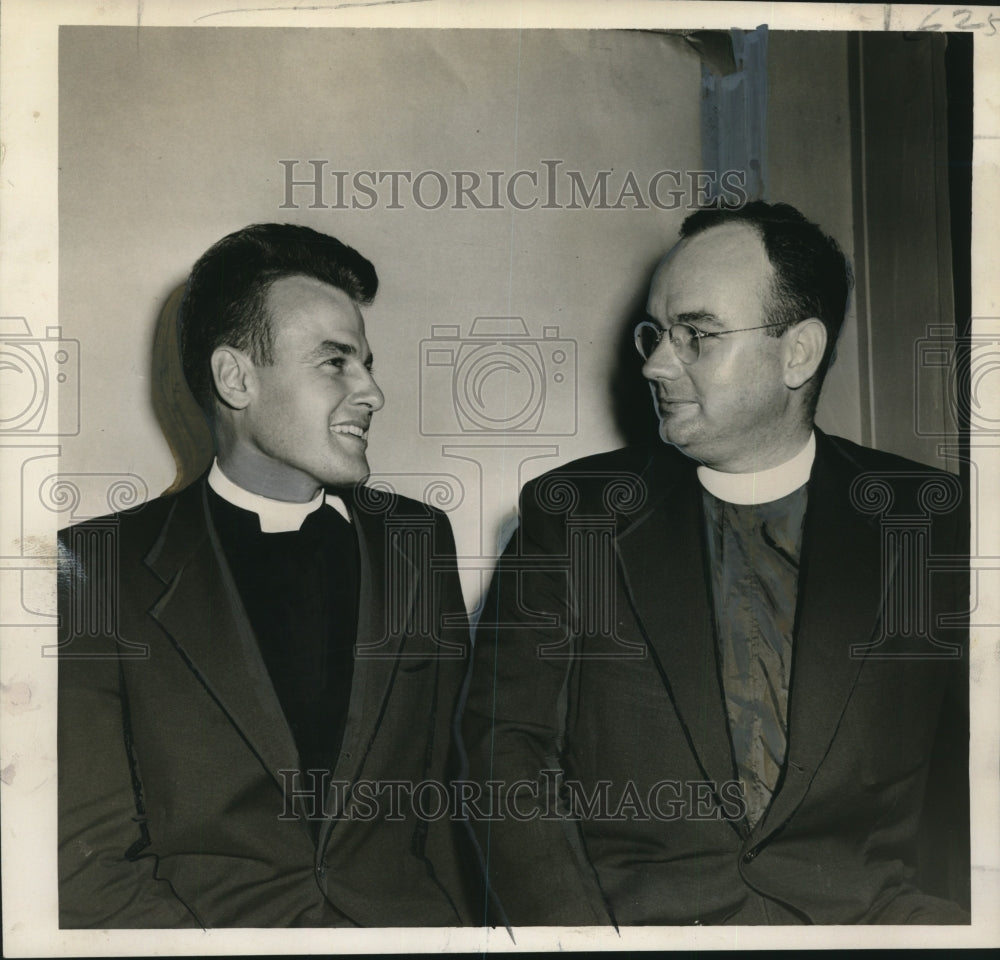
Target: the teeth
(351, 429)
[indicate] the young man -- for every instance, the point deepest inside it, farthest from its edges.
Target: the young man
(246, 663)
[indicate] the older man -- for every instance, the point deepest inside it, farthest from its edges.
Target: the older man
(713, 681)
(247, 663)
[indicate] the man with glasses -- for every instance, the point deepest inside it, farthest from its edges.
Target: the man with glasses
(711, 683)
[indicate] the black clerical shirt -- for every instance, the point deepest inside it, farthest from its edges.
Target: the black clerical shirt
(300, 591)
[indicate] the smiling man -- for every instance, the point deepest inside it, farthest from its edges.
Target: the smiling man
(247, 663)
(716, 675)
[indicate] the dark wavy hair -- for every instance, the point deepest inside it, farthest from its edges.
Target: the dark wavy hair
(225, 300)
(812, 277)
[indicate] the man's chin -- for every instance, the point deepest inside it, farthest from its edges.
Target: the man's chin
(681, 441)
(671, 435)
(344, 479)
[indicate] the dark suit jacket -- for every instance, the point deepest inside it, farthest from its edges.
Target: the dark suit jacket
(172, 807)
(596, 657)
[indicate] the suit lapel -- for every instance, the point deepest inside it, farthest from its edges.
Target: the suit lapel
(665, 572)
(203, 615)
(839, 604)
(390, 577)
(389, 581)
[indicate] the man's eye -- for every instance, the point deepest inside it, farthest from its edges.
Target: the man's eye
(336, 362)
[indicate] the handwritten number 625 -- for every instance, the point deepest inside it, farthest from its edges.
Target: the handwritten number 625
(961, 18)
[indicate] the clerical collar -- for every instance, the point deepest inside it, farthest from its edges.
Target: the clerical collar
(276, 516)
(764, 485)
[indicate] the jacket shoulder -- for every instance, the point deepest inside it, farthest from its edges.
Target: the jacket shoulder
(385, 505)
(616, 482)
(625, 461)
(149, 515)
(868, 459)
(135, 531)
(877, 483)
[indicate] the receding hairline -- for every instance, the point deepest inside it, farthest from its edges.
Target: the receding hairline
(326, 291)
(769, 282)
(309, 280)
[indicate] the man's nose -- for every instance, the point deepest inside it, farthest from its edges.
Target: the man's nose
(662, 363)
(369, 393)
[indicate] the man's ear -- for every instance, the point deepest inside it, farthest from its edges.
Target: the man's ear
(805, 343)
(234, 375)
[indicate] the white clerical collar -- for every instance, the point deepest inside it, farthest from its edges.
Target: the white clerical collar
(764, 485)
(276, 516)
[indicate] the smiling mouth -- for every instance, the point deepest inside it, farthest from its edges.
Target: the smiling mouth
(350, 430)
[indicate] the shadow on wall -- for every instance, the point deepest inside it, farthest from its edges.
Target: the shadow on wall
(180, 418)
(635, 417)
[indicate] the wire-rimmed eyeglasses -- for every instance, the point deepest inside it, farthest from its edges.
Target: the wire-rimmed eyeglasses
(684, 338)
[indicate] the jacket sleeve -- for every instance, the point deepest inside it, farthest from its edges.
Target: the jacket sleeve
(104, 878)
(943, 847)
(940, 891)
(449, 850)
(513, 733)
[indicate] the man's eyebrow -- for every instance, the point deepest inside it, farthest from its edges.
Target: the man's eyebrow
(699, 316)
(335, 347)
(692, 316)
